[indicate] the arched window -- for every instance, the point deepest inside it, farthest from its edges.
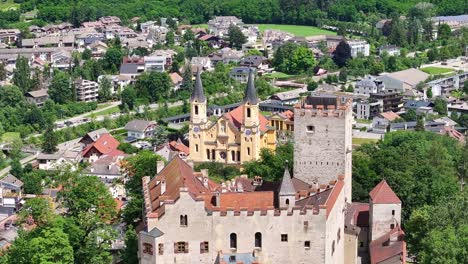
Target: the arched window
(196, 109)
(287, 201)
(248, 112)
(233, 240)
(258, 240)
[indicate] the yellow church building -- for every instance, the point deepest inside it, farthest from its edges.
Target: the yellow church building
(235, 137)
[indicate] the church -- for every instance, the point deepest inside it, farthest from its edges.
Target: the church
(233, 138)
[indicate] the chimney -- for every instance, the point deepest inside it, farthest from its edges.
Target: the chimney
(159, 166)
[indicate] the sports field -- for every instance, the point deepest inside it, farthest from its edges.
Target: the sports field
(300, 31)
(437, 70)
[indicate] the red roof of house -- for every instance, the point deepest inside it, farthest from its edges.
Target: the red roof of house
(246, 200)
(453, 133)
(390, 116)
(236, 116)
(383, 194)
(387, 246)
(179, 146)
(105, 144)
(288, 114)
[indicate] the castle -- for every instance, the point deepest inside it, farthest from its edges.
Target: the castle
(307, 218)
(235, 137)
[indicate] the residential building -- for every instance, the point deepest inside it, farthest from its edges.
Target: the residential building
(107, 167)
(37, 97)
(9, 36)
(432, 126)
(240, 74)
(381, 122)
(282, 121)
(260, 63)
(369, 85)
(226, 56)
(110, 20)
(359, 47)
(391, 50)
(86, 91)
(290, 97)
(157, 34)
(145, 26)
(445, 86)
(172, 149)
(368, 109)
(119, 82)
(263, 47)
(390, 101)
(92, 136)
(415, 105)
(98, 49)
(59, 160)
(155, 63)
(457, 108)
(104, 145)
(168, 53)
(11, 196)
(454, 22)
(220, 25)
(140, 129)
(201, 63)
(176, 80)
(233, 138)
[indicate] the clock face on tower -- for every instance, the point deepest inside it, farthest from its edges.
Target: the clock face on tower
(196, 129)
(248, 132)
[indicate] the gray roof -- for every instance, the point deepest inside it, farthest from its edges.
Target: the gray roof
(287, 187)
(250, 95)
(155, 232)
(38, 93)
(198, 94)
(11, 180)
(129, 68)
(367, 82)
(138, 125)
(253, 61)
(94, 135)
(413, 104)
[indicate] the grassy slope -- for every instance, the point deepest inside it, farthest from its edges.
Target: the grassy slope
(8, 4)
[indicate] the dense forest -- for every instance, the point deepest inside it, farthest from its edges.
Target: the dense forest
(308, 12)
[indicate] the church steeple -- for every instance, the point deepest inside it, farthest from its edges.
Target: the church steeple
(287, 192)
(198, 102)
(250, 95)
(198, 95)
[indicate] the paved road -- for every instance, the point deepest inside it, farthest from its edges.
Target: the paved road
(23, 161)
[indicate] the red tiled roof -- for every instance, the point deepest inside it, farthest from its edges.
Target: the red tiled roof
(337, 189)
(380, 252)
(288, 114)
(175, 78)
(246, 200)
(390, 116)
(383, 194)
(236, 116)
(179, 146)
(358, 215)
(453, 133)
(105, 144)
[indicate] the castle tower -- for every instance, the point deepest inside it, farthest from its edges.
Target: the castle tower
(323, 140)
(198, 120)
(384, 210)
(287, 192)
(250, 141)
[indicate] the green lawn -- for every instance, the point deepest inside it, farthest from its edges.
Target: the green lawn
(360, 141)
(437, 70)
(8, 5)
(101, 106)
(108, 111)
(279, 75)
(300, 31)
(11, 136)
(363, 121)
